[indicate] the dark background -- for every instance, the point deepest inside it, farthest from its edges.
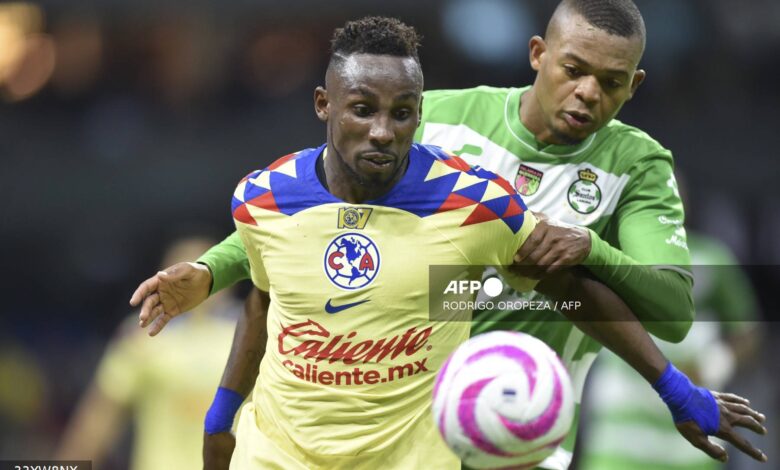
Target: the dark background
(124, 124)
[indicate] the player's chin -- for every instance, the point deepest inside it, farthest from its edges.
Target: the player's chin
(571, 136)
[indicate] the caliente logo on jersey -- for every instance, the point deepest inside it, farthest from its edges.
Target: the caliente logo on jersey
(352, 261)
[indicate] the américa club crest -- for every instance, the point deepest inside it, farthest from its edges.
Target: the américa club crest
(584, 194)
(528, 180)
(351, 261)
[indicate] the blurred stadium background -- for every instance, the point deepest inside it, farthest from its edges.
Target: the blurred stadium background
(124, 124)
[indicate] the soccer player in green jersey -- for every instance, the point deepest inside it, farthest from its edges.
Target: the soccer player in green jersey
(609, 186)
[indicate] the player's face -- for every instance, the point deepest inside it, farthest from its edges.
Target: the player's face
(372, 109)
(585, 75)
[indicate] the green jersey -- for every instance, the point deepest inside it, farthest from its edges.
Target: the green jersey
(624, 411)
(619, 182)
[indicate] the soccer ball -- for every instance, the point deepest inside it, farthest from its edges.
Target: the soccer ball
(503, 399)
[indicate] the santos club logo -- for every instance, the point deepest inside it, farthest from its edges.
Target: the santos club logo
(351, 261)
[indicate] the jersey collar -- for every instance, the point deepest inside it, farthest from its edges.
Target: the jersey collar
(526, 137)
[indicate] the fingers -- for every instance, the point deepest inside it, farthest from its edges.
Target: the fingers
(693, 434)
(741, 409)
(553, 262)
(553, 246)
(743, 445)
(159, 323)
(531, 243)
(147, 287)
(748, 422)
(148, 309)
(710, 448)
(730, 397)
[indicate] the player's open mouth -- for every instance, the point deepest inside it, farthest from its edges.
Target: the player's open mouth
(577, 120)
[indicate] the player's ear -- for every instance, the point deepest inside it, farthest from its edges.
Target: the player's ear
(536, 48)
(321, 105)
(419, 111)
(639, 77)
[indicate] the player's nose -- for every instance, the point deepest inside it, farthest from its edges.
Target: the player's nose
(381, 132)
(588, 90)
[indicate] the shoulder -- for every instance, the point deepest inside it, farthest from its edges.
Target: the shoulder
(632, 144)
(281, 187)
(481, 95)
(286, 165)
(482, 91)
(448, 183)
(434, 155)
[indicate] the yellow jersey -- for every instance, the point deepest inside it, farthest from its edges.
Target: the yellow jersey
(352, 348)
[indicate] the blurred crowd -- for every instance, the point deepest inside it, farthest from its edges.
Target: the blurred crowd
(125, 125)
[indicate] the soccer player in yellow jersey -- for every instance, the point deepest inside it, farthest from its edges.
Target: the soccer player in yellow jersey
(162, 387)
(339, 240)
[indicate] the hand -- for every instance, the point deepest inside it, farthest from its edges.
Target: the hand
(171, 292)
(551, 247)
(734, 411)
(217, 450)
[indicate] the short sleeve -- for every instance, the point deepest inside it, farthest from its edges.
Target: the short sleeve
(254, 252)
(507, 254)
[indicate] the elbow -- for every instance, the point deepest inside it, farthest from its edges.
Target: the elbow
(677, 327)
(676, 332)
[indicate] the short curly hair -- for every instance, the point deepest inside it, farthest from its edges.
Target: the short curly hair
(376, 35)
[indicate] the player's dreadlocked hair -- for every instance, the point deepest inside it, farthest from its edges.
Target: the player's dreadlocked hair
(375, 35)
(617, 17)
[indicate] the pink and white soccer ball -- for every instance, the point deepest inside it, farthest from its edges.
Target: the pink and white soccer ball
(503, 399)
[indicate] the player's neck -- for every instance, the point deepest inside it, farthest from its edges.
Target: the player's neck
(532, 117)
(343, 183)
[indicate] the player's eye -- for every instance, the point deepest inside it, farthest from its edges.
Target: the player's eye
(361, 110)
(572, 71)
(403, 114)
(614, 84)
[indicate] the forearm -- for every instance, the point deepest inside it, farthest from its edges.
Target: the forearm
(248, 347)
(243, 365)
(227, 262)
(660, 298)
(605, 317)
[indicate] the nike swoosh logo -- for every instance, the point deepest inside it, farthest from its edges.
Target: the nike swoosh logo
(330, 308)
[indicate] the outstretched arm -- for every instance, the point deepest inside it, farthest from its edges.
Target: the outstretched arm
(183, 286)
(237, 381)
(697, 412)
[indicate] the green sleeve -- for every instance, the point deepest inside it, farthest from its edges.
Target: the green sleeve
(650, 268)
(648, 220)
(660, 298)
(227, 262)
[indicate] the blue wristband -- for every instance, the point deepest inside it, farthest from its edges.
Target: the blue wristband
(688, 402)
(223, 409)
